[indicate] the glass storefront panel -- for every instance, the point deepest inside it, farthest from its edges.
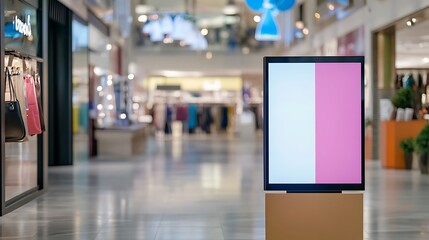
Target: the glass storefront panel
(23, 105)
(80, 91)
(20, 153)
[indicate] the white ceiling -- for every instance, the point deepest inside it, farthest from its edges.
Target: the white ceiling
(412, 45)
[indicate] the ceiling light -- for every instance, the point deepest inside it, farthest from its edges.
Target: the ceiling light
(100, 107)
(305, 31)
(204, 31)
(230, 9)
(409, 23)
(109, 82)
(426, 60)
(414, 20)
(209, 55)
(131, 76)
(331, 7)
(98, 71)
(143, 9)
(109, 97)
(123, 116)
(142, 18)
(317, 15)
(109, 47)
(299, 24)
(99, 88)
(256, 18)
(110, 107)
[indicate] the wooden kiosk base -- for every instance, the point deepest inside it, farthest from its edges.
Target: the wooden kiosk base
(311, 216)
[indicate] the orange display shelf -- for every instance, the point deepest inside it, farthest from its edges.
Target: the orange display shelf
(391, 134)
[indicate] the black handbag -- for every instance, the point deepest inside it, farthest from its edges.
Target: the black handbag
(14, 124)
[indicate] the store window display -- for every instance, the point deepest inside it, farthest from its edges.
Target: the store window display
(23, 123)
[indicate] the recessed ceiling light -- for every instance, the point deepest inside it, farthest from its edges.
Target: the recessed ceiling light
(409, 23)
(142, 18)
(204, 31)
(426, 60)
(414, 20)
(143, 9)
(317, 15)
(331, 6)
(256, 18)
(305, 31)
(299, 24)
(230, 9)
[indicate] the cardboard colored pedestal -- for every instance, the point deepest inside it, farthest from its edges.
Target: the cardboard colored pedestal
(308, 216)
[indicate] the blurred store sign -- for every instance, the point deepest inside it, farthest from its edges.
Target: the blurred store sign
(168, 87)
(20, 30)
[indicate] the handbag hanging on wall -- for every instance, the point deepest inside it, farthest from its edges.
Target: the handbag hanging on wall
(14, 124)
(33, 118)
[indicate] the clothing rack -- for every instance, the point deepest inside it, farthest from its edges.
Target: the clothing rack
(23, 55)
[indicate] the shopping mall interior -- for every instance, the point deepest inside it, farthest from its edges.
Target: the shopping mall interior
(148, 119)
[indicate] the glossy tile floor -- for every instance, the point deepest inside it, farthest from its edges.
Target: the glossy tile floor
(196, 188)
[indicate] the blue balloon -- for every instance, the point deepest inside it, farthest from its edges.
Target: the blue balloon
(284, 5)
(255, 5)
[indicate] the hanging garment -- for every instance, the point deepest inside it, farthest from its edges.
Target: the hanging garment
(182, 113)
(207, 120)
(39, 102)
(420, 81)
(224, 118)
(159, 115)
(192, 117)
(168, 119)
(33, 117)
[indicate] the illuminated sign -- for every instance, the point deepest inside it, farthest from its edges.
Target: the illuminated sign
(23, 27)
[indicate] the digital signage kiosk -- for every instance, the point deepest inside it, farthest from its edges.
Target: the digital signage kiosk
(314, 124)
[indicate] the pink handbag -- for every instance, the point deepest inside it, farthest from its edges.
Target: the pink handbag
(33, 118)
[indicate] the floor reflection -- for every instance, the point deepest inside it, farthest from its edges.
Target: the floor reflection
(20, 167)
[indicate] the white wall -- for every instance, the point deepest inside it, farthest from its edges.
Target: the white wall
(384, 12)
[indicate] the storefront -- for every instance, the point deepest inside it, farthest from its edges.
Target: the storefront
(23, 102)
(402, 57)
(195, 104)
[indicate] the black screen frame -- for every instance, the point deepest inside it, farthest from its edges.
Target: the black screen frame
(298, 187)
